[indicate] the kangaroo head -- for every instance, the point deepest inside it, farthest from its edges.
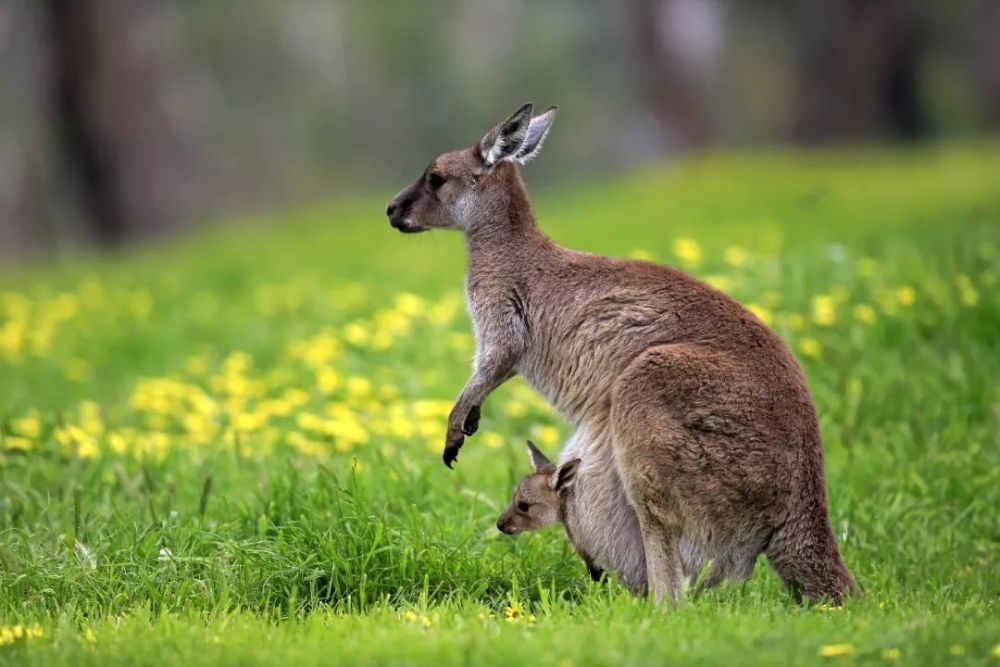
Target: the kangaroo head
(457, 187)
(539, 498)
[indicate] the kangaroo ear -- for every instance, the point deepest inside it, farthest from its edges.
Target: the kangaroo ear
(538, 129)
(538, 459)
(564, 477)
(504, 141)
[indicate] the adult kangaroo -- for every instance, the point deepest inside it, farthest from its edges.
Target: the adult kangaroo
(687, 408)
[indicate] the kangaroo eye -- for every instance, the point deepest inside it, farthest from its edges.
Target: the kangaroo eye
(523, 506)
(435, 180)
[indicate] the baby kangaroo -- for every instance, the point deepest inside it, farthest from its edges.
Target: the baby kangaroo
(695, 415)
(552, 495)
(549, 496)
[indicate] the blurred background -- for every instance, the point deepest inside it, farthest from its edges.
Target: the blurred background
(122, 120)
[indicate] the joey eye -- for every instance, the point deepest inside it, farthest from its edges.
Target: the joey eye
(523, 506)
(435, 180)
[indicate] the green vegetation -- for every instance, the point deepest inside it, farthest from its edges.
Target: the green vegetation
(226, 450)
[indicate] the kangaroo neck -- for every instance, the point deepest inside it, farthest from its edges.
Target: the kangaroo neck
(507, 226)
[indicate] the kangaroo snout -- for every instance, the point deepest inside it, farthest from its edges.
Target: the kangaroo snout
(504, 525)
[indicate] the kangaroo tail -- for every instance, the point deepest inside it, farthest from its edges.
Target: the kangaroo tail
(804, 552)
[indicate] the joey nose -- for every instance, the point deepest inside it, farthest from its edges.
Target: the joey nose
(390, 209)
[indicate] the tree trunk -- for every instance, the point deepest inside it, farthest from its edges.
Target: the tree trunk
(859, 62)
(116, 140)
(676, 42)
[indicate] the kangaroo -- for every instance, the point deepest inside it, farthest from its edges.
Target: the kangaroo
(700, 411)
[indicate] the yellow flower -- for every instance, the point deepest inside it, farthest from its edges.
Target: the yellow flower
(548, 435)
(891, 654)
(824, 310)
(687, 250)
(328, 380)
(357, 333)
(810, 347)
(515, 612)
(762, 313)
(836, 650)
(863, 312)
(89, 636)
(410, 304)
(358, 387)
(968, 293)
(30, 426)
(734, 256)
(492, 440)
(515, 408)
(905, 296)
(17, 443)
(721, 283)
(996, 651)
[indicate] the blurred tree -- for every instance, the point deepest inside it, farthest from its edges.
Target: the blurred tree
(106, 106)
(859, 63)
(677, 42)
(986, 18)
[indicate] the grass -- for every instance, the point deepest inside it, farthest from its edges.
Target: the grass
(225, 450)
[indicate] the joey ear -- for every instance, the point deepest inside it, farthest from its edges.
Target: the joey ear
(565, 475)
(538, 129)
(538, 459)
(505, 140)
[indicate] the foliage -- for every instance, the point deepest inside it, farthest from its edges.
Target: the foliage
(227, 450)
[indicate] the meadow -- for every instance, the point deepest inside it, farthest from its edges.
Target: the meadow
(225, 449)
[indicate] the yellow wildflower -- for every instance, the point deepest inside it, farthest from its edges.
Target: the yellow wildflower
(515, 612)
(688, 251)
(824, 310)
(548, 435)
(719, 282)
(358, 387)
(515, 408)
(17, 443)
(891, 654)
(492, 440)
(968, 293)
(328, 380)
(905, 296)
(410, 304)
(89, 636)
(30, 426)
(357, 333)
(836, 650)
(734, 256)
(762, 313)
(810, 347)
(863, 312)
(996, 651)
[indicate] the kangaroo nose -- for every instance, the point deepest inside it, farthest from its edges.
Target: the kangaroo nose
(390, 209)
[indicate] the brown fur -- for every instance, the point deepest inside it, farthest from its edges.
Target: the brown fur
(693, 418)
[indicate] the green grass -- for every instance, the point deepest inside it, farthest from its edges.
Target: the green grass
(225, 450)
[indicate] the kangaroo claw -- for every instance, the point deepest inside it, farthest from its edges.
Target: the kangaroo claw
(451, 451)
